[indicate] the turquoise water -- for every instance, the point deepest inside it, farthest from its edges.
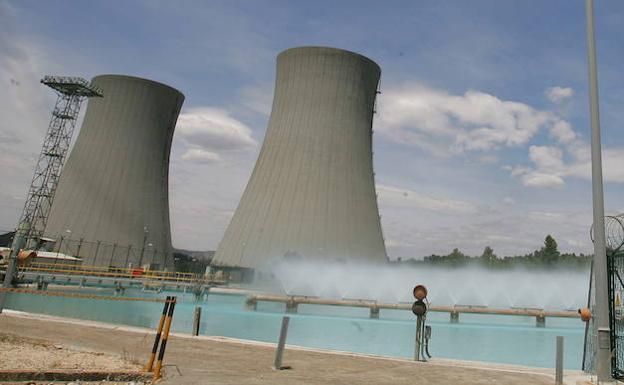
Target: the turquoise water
(501, 339)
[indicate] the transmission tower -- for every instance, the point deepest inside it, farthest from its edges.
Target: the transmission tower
(71, 92)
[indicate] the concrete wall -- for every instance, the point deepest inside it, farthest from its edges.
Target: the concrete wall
(115, 182)
(312, 191)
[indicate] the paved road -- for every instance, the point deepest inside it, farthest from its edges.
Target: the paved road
(209, 361)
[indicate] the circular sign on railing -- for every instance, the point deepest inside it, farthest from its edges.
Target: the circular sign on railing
(420, 292)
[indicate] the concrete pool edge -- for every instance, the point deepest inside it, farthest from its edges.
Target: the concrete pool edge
(571, 376)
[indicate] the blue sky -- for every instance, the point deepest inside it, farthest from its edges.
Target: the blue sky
(481, 136)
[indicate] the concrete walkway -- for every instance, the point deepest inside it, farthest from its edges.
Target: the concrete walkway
(206, 360)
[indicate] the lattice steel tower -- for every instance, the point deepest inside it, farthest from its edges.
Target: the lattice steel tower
(71, 92)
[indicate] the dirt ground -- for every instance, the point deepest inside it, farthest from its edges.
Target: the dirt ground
(25, 353)
(205, 360)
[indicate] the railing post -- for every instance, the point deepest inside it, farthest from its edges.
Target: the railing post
(251, 303)
(279, 352)
(540, 321)
(291, 306)
(374, 312)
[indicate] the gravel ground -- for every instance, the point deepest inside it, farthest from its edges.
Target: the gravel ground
(23, 353)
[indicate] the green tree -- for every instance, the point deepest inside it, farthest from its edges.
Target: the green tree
(488, 257)
(456, 257)
(549, 254)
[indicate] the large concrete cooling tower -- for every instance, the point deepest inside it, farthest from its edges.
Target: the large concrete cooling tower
(111, 206)
(312, 191)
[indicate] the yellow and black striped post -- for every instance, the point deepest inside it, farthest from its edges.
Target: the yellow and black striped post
(165, 336)
(150, 363)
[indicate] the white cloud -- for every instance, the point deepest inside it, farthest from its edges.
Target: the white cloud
(547, 157)
(550, 167)
(211, 130)
(563, 132)
(558, 94)
(198, 155)
(612, 161)
(433, 119)
(395, 196)
(539, 179)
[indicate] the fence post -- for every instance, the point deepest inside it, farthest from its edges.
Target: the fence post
(277, 364)
(127, 257)
(79, 247)
(153, 258)
(559, 361)
(196, 320)
(59, 250)
(97, 248)
(112, 254)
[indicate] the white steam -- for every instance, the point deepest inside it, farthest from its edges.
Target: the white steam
(544, 289)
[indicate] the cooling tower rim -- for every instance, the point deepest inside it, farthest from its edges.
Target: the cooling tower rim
(138, 79)
(319, 48)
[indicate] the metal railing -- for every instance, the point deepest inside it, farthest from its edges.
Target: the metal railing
(112, 272)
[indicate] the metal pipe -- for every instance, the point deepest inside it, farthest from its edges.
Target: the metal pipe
(279, 352)
(254, 298)
(196, 320)
(19, 241)
(97, 249)
(417, 342)
(603, 364)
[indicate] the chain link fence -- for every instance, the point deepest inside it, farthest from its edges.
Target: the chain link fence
(98, 253)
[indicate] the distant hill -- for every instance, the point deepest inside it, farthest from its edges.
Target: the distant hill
(199, 255)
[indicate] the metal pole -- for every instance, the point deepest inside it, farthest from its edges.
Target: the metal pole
(59, 250)
(79, 247)
(417, 340)
(559, 362)
(601, 318)
(196, 320)
(110, 263)
(143, 247)
(277, 364)
(127, 257)
(97, 248)
(19, 241)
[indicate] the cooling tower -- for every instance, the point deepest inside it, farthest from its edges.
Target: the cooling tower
(111, 206)
(312, 192)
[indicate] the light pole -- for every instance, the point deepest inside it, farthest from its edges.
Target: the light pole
(68, 231)
(601, 317)
(145, 232)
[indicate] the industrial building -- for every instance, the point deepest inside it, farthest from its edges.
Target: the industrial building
(312, 191)
(111, 206)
